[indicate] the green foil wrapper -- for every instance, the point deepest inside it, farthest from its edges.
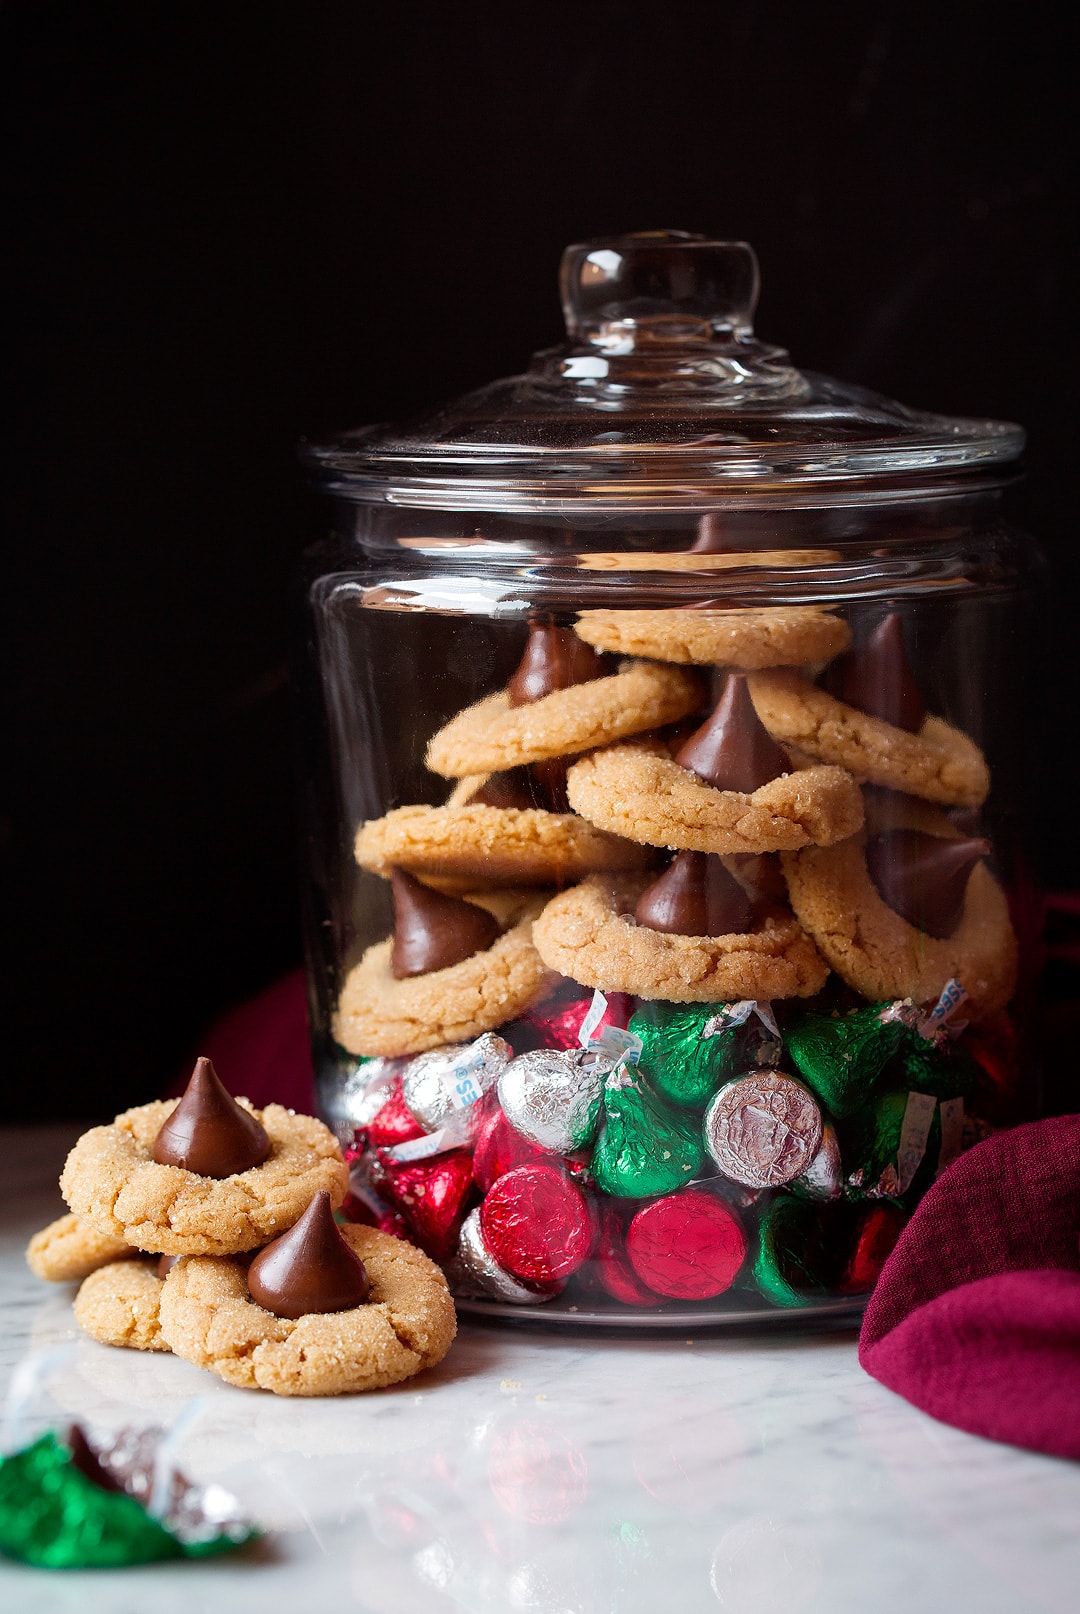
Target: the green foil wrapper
(646, 1146)
(841, 1057)
(51, 1515)
(943, 1069)
(890, 1144)
(801, 1250)
(682, 1063)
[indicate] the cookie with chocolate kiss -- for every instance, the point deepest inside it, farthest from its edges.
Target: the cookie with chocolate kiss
(433, 931)
(924, 878)
(876, 677)
(733, 750)
(308, 1269)
(208, 1132)
(696, 896)
(555, 658)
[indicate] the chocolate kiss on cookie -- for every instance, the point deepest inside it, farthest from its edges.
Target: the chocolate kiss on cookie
(208, 1132)
(696, 896)
(923, 878)
(433, 931)
(876, 677)
(308, 1269)
(554, 659)
(733, 750)
(540, 784)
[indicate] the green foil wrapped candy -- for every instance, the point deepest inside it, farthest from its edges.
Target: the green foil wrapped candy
(841, 1057)
(646, 1146)
(801, 1250)
(687, 1052)
(890, 1142)
(938, 1066)
(51, 1515)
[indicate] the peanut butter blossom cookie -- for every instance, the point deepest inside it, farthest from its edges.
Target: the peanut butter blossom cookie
(320, 1311)
(729, 788)
(450, 971)
(872, 720)
(690, 937)
(708, 634)
(562, 700)
(906, 906)
(70, 1248)
(205, 1174)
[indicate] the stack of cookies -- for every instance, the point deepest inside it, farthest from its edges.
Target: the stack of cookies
(691, 811)
(206, 1227)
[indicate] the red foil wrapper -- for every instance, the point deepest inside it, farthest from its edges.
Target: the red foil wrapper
(537, 1224)
(557, 1021)
(394, 1122)
(877, 1230)
(432, 1196)
(611, 1264)
(688, 1246)
(499, 1148)
(371, 1214)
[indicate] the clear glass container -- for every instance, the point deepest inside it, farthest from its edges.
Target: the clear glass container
(667, 766)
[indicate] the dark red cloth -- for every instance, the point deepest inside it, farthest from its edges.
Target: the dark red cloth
(261, 1048)
(976, 1316)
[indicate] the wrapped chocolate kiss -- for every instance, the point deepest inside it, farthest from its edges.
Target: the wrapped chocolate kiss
(841, 1057)
(552, 1097)
(764, 1129)
(474, 1271)
(689, 1050)
(887, 1142)
(801, 1248)
(431, 1194)
(438, 1084)
(646, 1146)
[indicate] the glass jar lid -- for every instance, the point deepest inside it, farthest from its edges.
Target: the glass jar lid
(661, 398)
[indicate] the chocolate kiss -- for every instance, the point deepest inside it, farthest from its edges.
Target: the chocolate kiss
(510, 789)
(309, 1268)
(166, 1264)
(554, 659)
(733, 750)
(710, 538)
(433, 931)
(87, 1461)
(923, 878)
(877, 678)
(208, 1132)
(696, 896)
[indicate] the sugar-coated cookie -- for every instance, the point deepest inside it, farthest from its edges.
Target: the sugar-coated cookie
(939, 763)
(112, 1179)
(119, 1305)
(378, 1013)
(475, 843)
(773, 636)
(493, 735)
(407, 1323)
(879, 953)
(637, 791)
(70, 1248)
(589, 934)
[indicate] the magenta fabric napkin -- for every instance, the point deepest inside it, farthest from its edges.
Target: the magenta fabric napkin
(976, 1316)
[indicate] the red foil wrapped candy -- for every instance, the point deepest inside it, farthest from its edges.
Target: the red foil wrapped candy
(611, 1266)
(689, 1245)
(394, 1122)
(431, 1194)
(537, 1224)
(499, 1148)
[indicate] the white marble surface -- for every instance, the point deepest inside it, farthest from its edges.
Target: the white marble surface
(557, 1476)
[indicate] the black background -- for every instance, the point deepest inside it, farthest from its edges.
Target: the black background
(229, 224)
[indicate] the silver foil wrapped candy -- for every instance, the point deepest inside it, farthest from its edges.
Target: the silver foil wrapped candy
(823, 1179)
(552, 1097)
(438, 1083)
(763, 1129)
(473, 1270)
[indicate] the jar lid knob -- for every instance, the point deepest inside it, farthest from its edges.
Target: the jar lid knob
(658, 286)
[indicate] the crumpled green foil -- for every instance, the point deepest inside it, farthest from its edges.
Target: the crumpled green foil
(52, 1516)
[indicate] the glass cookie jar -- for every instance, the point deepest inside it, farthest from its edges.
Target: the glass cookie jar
(666, 772)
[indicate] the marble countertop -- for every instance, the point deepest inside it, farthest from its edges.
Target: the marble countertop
(551, 1475)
